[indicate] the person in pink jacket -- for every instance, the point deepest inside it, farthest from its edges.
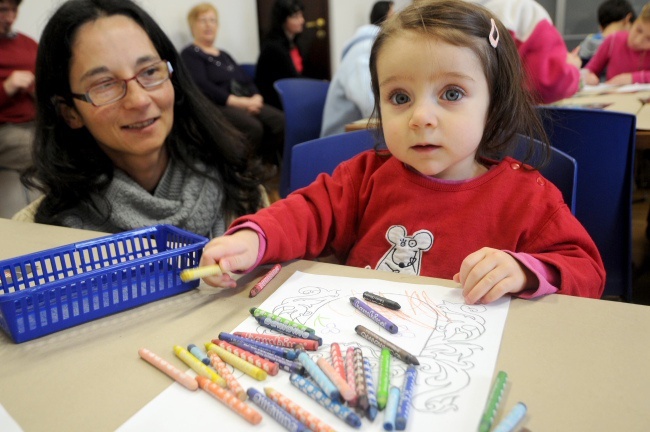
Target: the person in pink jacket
(449, 97)
(553, 72)
(624, 54)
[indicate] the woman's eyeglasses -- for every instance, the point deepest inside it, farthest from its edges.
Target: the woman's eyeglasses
(114, 90)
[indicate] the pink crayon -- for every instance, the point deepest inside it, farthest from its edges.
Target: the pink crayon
(224, 371)
(349, 374)
(170, 370)
(337, 359)
(228, 399)
(346, 391)
(266, 365)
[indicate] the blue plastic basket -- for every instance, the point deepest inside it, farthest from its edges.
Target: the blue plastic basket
(51, 290)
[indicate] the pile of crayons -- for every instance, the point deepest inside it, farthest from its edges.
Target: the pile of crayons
(345, 385)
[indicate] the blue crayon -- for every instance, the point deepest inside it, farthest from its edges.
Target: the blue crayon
(312, 390)
(287, 353)
(370, 388)
(283, 363)
(319, 377)
(405, 400)
(378, 318)
(391, 409)
(196, 352)
(286, 329)
(512, 419)
(278, 414)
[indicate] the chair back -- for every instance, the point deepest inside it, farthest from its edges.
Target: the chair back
(322, 155)
(249, 68)
(561, 170)
(603, 143)
(303, 100)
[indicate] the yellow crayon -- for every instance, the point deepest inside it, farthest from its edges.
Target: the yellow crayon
(198, 366)
(200, 272)
(237, 362)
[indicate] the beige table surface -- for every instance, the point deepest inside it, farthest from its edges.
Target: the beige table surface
(579, 364)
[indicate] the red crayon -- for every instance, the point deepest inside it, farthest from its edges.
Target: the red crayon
(281, 341)
(265, 280)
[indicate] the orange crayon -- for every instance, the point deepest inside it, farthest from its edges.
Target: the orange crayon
(170, 370)
(308, 419)
(228, 399)
(237, 362)
(224, 372)
(346, 391)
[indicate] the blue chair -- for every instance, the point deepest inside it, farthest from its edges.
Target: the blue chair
(303, 100)
(322, 155)
(603, 143)
(561, 170)
(249, 68)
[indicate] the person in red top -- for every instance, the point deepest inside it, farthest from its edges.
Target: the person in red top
(447, 81)
(17, 109)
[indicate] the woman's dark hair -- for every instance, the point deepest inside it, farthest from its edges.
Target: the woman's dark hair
(283, 9)
(511, 111)
(69, 166)
(379, 12)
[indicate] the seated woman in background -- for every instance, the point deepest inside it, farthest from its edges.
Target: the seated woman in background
(124, 139)
(228, 86)
(280, 57)
(624, 54)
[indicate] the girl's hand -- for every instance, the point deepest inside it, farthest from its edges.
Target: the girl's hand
(237, 251)
(488, 274)
(591, 78)
(621, 79)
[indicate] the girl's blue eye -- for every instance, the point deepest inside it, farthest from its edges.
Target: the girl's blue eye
(399, 98)
(452, 95)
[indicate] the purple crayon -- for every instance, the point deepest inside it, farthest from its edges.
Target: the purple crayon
(378, 318)
(283, 363)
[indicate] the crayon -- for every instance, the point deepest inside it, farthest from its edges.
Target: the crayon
(391, 408)
(257, 312)
(373, 408)
(384, 378)
(229, 400)
(493, 402)
(341, 384)
(265, 280)
(512, 419)
(200, 272)
(196, 352)
(281, 340)
(349, 374)
(382, 301)
(319, 377)
(381, 343)
(238, 363)
(278, 414)
(408, 387)
(308, 419)
(360, 380)
(198, 366)
(337, 359)
(289, 354)
(225, 373)
(287, 329)
(378, 318)
(170, 370)
(267, 366)
(281, 362)
(312, 390)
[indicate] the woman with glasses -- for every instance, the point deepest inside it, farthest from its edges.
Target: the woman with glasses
(228, 86)
(124, 139)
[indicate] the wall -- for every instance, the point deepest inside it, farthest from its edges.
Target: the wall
(238, 32)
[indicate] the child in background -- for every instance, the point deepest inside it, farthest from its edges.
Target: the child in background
(613, 16)
(447, 80)
(624, 54)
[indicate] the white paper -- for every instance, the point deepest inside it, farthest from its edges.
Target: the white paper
(456, 344)
(7, 423)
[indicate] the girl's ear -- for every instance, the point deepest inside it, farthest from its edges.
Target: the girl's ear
(70, 116)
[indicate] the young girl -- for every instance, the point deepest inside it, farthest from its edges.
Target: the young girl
(447, 81)
(624, 54)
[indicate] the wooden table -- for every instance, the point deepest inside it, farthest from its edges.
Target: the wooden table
(579, 364)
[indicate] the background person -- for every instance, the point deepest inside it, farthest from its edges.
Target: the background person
(613, 16)
(124, 139)
(280, 57)
(228, 86)
(349, 97)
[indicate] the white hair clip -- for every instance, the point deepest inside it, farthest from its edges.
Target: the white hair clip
(494, 34)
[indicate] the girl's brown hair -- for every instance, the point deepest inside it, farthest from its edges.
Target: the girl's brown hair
(511, 110)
